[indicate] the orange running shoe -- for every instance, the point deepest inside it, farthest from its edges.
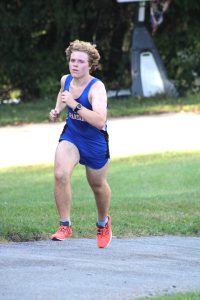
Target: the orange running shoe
(62, 233)
(104, 234)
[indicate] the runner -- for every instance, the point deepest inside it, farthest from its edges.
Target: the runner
(84, 139)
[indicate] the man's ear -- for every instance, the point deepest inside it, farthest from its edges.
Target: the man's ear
(90, 68)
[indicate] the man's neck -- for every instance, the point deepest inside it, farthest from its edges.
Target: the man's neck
(82, 81)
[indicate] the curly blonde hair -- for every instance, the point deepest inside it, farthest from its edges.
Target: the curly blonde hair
(86, 47)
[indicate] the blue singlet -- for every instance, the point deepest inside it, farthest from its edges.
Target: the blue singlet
(91, 142)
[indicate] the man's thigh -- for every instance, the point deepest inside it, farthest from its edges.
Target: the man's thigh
(97, 176)
(67, 156)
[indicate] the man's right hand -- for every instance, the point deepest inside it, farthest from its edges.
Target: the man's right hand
(53, 115)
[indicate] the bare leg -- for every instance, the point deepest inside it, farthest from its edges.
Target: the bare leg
(66, 158)
(97, 181)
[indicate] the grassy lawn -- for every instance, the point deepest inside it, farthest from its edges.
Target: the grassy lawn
(151, 195)
(127, 106)
(37, 111)
(185, 296)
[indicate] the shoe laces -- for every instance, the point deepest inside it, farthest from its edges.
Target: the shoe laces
(102, 231)
(63, 228)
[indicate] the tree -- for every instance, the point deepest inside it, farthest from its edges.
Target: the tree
(34, 35)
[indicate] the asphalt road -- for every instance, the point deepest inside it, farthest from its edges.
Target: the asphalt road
(76, 268)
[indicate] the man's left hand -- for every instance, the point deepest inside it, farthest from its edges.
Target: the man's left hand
(66, 97)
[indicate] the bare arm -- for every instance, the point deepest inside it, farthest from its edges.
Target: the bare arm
(98, 99)
(54, 113)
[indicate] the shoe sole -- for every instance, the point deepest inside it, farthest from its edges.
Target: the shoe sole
(56, 239)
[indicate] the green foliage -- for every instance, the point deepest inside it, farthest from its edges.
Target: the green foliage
(178, 41)
(34, 35)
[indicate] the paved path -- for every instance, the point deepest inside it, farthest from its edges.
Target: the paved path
(36, 143)
(76, 269)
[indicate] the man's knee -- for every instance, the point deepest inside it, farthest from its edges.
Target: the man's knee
(100, 187)
(61, 176)
(97, 188)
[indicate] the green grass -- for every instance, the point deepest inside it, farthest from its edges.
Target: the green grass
(151, 195)
(179, 296)
(37, 111)
(24, 113)
(128, 106)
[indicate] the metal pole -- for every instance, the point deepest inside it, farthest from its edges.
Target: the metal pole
(141, 11)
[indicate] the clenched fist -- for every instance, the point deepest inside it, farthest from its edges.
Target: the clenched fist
(53, 115)
(66, 98)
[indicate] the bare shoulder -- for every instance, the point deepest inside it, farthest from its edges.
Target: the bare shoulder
(98, 87)
(62, 81)
(98, 92)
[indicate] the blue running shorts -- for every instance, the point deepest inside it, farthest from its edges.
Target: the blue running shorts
(93, 154)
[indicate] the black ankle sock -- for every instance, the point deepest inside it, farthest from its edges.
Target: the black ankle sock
(66, 223)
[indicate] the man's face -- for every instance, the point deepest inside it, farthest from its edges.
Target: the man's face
(79, 64)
